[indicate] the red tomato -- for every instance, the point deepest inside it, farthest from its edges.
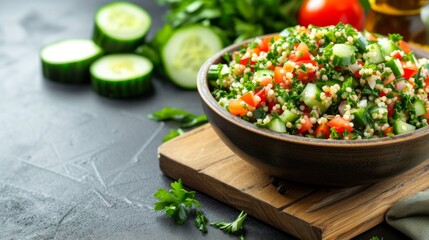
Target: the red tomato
(301, 53)
(236, 108)
(307, 125)
(331, 12)
(390, 108)
(340, 125)
(249, 98)
(409, 70)
(262, 95)
(322, 130)
(404, 46)
(279, 73)
(264, 44)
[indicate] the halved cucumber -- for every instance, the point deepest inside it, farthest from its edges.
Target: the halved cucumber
(121, 75)
(343, 54)
(68, 61)
(186, 50)
(311, 97)
(400, 127)
(120, 27)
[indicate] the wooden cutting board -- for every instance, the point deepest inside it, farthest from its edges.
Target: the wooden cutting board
(205, 164)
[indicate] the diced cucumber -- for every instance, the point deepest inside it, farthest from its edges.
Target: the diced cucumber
(361, 43)
(121, 75)
(378, 114)
(216, 72)
(400, 127)
(360, 118)
(343, 54)
(311, 97)
(387, 46)
(120, 27)
(186, 50)
(288, 116)
(68, 61)
(419, 107)
(264, 73)
(374, 54)
(277, 125)
(395, 65)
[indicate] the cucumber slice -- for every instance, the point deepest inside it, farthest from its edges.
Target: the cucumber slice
(361, 43)
(419, 107)
(288, 116)
(387, 46)
(375, 54)
(216, 72)
(121, 75)
(396, 67)
(68, 61)
(186, 50)
(120, 27)
(264, 73)
(400, 127)
(343, 54)
(277, 125)
(311, 97)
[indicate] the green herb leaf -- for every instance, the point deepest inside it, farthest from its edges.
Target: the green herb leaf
(172, 134)
(169, 113)
(194, 121)
(201, 221)
(235, 227)
(177, 202)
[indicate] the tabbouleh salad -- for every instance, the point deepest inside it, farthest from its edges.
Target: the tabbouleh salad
(325, 82)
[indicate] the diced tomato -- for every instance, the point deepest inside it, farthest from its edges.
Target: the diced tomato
(262, 94)
(279, 73)
(404, 46)
(246, 61)
(305, 61)
(340, 125)
(249, 98)
(409, 70)
(264, 44)
(322, 131)
(265, 81)
(307, 125)
(236, 108)
(256, 51)
(390, 108)
(301, 53)
(388, 130)
(397, 55)
(306, 77)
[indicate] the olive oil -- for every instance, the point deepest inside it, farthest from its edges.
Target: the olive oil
(398, 16)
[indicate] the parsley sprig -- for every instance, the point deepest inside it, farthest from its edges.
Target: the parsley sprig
(235, 227)
(185, 118)
(177, 202)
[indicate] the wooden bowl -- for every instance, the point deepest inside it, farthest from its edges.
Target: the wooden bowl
(334, 163)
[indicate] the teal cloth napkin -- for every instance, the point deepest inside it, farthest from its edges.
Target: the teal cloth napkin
(411, 216)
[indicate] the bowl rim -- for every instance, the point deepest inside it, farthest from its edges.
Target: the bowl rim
(206, 96)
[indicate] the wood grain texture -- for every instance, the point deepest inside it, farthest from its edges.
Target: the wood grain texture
(204, 163)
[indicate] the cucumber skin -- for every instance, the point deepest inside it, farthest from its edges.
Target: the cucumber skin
(113, 45)
(164, 62)
(73, 72)
(122, 89)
